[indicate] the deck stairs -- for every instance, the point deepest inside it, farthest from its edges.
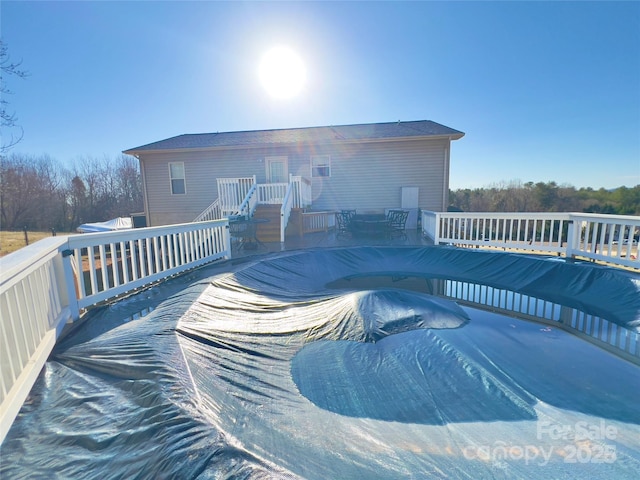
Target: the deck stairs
(270, 231)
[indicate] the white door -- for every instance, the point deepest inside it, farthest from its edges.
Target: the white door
(277, 169)
(410, 196)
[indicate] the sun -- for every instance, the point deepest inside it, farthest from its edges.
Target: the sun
(282, 72)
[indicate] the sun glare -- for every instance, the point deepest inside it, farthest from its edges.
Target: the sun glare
(282, 72)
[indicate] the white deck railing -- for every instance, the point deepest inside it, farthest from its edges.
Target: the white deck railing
(606, 238)
(114, 263)
(297, 195)
(285, 211)
(606, 334)
(239, 196)
(69, 274)
(34, 306)
(249, 204)
(232, 192)
(302, 195)
(47, 284)
(318, 221)
(271, 193)
(212, 212)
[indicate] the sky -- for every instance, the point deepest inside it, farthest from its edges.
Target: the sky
(544, 91)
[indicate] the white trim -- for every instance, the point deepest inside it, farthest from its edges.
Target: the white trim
(171, 179)
(145, 195)
(274, 159)
(447, 166)
(327, 164)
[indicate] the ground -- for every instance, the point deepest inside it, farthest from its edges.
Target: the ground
(12, 241)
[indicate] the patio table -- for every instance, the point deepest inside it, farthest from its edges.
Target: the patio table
(370, 225)
(245, 232)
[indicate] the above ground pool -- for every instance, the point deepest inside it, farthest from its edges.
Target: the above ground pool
(347, 363)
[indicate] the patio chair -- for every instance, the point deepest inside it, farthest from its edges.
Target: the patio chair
(397, 220)
(243, 233)
(349, 213)
(343, 222)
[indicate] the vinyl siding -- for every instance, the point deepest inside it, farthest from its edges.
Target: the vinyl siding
(365, 176)
(370, 176)
(201, 171)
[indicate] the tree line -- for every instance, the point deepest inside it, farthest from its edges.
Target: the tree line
(516, 196)
(39, 193)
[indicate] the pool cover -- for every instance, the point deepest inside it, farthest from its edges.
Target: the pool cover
(274, 368)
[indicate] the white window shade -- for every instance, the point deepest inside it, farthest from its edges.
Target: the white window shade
(321, 166)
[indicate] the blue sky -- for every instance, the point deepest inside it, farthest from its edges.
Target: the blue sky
(544, 91)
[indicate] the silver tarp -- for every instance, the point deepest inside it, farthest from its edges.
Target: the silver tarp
(300, 365)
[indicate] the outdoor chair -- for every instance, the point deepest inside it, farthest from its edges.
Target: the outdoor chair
(243, 233)
(397, 220)
(349, 213)
(343, 222)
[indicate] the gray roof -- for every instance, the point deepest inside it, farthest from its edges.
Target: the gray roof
(309, 135)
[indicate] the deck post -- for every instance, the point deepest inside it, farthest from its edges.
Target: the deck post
(226, 240)
(69, 289)
(573, 239)
(437, 229)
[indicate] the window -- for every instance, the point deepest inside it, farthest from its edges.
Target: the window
(321, 166)
(277, 169)
(176, 175)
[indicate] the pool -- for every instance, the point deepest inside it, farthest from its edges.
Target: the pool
(363, 362)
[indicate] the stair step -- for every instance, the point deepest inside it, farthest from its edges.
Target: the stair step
(270, 232)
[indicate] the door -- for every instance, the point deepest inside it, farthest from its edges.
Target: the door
(277, 169)
(410, 196)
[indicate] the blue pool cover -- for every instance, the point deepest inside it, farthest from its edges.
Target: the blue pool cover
(275, 367)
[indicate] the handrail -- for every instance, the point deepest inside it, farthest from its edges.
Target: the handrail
(115, 262)
(232, 191)
(302, 191)
(248, 205)
(271, 193)
(285, 210)
(107, 264)
(318, 221)
(29, 328)
(212, 212)
(229, 190)
(608, 238)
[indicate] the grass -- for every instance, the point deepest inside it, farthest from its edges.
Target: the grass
(12, 241)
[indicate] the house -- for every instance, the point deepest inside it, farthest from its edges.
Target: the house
(367, 167)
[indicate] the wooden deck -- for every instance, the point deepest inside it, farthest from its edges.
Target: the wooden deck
(329, 239)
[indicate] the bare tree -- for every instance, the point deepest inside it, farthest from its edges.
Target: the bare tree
(37, 192)
(8, 119)
(112, 188)
(129, 185)
(20, 192)
(76, 201)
